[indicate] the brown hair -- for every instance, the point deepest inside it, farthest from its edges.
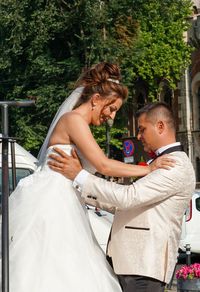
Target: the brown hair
(103, 78)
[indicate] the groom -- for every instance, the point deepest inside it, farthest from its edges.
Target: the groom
(148, 214)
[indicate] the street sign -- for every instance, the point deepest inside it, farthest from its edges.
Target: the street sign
(128, 148)
(133, 151)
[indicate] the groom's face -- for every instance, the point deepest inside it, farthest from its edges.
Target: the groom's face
(147, 133)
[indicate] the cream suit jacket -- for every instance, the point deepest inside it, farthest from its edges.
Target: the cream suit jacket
(148, 217)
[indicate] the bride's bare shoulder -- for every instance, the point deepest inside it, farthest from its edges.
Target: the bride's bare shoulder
(73, 117)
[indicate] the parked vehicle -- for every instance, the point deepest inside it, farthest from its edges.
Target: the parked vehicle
(101, 222)
(190, 227)
(25, 165)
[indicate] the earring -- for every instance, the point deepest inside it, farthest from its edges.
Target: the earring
(93, 106)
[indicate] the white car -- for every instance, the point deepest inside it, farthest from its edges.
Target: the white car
(101, 222)
(25, 164)
(190, 227)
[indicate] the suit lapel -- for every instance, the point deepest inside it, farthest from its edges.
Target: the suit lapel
(172, 149)
(169, 150)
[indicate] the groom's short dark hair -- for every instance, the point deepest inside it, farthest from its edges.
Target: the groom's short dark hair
(155, 110)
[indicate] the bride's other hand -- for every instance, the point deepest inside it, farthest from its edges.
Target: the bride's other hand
(67, 165)
(164, 161)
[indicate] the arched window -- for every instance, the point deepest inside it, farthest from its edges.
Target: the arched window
(140, 100)
(168, 96)
(166, 93)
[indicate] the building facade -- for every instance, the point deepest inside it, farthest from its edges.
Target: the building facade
(189, 97)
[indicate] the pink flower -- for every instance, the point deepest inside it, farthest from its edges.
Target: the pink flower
(188, 272)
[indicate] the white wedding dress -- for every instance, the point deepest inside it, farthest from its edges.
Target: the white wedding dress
(52, 246)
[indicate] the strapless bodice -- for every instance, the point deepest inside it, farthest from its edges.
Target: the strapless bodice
(67, 149)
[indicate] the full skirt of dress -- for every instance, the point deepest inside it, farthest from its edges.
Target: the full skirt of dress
(52, 247)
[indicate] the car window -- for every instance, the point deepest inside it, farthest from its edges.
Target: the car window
(198, 204)
(20, 173)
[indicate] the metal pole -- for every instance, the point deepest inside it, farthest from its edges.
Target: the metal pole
(5, 189)
(107, 140)
(5, 120)
(5, 196)
(188, 254)
(13, 164)
(109, 125)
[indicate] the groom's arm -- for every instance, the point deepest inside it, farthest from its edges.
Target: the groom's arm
(155, 187)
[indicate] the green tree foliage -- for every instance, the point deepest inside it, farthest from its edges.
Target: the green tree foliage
(161, 52)
(44, 45)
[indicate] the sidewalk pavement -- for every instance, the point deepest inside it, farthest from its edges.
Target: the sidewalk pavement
(174, 284)
(173, 289)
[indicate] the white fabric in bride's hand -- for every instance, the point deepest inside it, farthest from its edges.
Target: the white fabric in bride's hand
(52, 246)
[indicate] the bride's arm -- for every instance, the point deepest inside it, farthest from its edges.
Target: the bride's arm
(80, 135)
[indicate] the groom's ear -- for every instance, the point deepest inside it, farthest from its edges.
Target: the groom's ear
(160, 126)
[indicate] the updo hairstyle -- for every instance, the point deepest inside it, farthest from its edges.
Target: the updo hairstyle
(103, 78)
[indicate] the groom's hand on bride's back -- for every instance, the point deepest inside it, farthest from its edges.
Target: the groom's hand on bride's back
(67, 165)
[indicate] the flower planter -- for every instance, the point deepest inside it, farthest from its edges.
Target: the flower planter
(188, 285)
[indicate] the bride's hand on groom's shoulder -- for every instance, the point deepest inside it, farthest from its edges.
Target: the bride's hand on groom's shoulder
(166, 161)
(67, 165)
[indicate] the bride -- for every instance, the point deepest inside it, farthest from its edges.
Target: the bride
(52, 246)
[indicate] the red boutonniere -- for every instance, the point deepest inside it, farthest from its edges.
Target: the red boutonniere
(142, 163)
